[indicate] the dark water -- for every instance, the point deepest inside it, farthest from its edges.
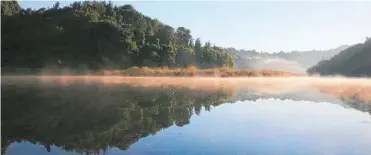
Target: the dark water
(92, 118)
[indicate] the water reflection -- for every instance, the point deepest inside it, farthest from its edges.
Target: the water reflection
(93, 117)
(89, 118)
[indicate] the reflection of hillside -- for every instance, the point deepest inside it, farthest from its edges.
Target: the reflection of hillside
(88, 118)
(92, 117)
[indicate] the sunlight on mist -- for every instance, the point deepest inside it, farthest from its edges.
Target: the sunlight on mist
(345, 88)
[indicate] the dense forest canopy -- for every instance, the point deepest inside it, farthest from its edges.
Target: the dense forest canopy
(354, 61)
(98, 35)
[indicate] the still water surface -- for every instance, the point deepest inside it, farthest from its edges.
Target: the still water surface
(54, 117)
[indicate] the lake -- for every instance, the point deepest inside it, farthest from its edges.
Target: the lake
(185, 116)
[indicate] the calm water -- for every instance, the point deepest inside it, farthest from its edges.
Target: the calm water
(41, 117)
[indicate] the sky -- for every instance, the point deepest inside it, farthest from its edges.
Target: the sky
(269, 26)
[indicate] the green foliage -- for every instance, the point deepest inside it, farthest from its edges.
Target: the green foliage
(9, 8)
(97, 35)
(354, 61)
(198, 50)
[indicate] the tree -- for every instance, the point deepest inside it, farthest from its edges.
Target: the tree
(9, 8)
(183, 36)
(56, 6)
(198, 51)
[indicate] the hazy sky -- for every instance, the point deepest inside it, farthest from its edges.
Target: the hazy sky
(265, 26)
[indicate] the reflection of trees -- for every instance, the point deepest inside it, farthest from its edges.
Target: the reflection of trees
(92, 118)
(89, 118)
(358, 105)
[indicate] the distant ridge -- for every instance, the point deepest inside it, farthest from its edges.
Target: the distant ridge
(294, 61)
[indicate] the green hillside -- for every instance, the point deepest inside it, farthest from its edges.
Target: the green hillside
(354, 61)
(93, 35)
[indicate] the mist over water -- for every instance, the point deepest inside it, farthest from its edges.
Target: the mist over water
(348, 88)
(278, 64)
(185, 115)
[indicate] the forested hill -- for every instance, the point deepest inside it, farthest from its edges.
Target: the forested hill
(98, 35)
(354, 61)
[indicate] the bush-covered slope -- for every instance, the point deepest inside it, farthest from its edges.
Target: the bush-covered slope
(92, 35)
(354, 61)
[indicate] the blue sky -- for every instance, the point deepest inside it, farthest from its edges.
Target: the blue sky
(269, 26)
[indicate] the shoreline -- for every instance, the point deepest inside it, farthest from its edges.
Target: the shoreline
(153, 72)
